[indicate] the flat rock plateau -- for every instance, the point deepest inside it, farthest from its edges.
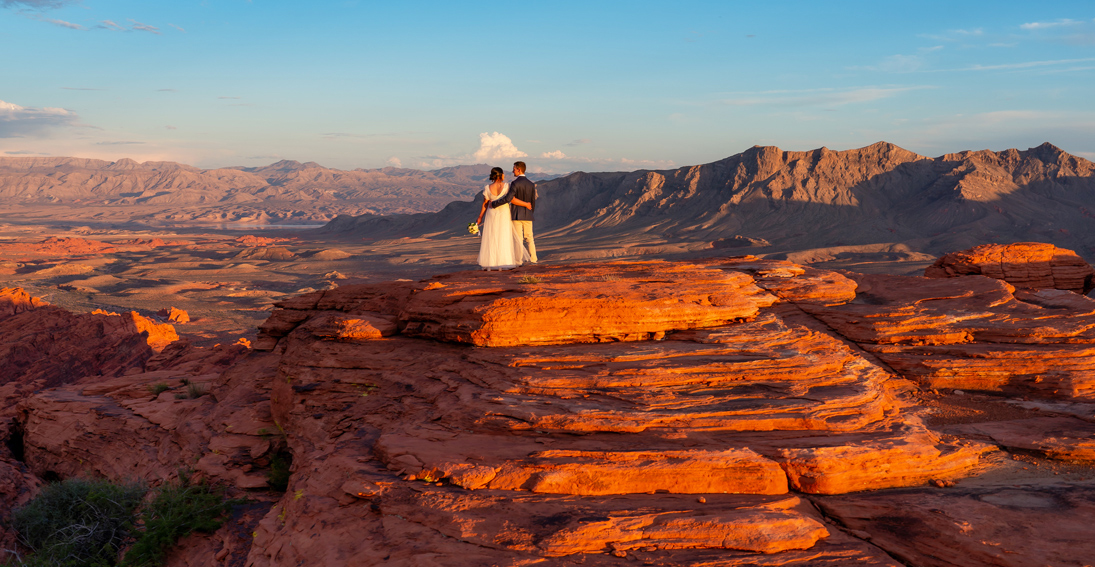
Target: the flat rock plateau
(905, 378)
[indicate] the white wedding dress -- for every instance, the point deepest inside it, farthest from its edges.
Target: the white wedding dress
(501, 247)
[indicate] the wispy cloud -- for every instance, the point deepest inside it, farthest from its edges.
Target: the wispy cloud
(817, 97)
(1048, 25)
(579, 142)
(20, 121)
(61, 23)
(25, 153)
(170, 127)
(144, 27)
(112, 25)
(81, 89)
(177, 27)
(36, 4)
(956, 35)
(1027, 64)
(553, 155)
(119, 143)
(393, 162)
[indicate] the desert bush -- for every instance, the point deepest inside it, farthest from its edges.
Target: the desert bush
(77, 523)
(176, 510)
(530, 280)
(195, 390)
(85, 523)
(278, 475)
(158, 388)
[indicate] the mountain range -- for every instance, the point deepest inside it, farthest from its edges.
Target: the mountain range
(874, 199)
(168, 192)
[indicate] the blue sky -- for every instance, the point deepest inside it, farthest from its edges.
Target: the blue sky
(586, 85)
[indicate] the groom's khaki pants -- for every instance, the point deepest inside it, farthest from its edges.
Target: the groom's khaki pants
(524, 230)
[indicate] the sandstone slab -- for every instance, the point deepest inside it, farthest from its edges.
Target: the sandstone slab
(1023, 264)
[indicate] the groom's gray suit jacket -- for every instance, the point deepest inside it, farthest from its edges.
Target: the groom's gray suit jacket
(524, 190)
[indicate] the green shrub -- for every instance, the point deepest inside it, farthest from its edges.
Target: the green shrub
(77, 523)
(158, 388)
(529, 280)
(176, 510)
(278, 475)
(85, 523)
(195, 390)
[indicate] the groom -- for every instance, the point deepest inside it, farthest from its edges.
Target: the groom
(524, 190)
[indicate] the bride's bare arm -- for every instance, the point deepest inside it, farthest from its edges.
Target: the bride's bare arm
(521, 203)
(482, 210)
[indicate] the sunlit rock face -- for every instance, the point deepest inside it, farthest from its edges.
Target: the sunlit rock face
(1024, 265)
(974, 333)
(736, 411)
(615, 398)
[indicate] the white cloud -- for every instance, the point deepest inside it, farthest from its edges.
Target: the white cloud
(1027, 64)
(553, 155)
(393, 162)
(61, 23)
(111, 25)
(579, 142)
(1047, 25)
(496, 146)
(177, 27)
(144, 27)
(19, 121)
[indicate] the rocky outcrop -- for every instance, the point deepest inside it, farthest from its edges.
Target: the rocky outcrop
(14, 300)
(51, 346)
(744, 412)
(973, 333)
(1024, 265)
(174, 315)
(1016, 525)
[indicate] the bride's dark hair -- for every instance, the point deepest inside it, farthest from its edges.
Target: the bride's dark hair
(496, 173)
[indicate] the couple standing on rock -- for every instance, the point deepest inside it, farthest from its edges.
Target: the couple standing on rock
(507, 229)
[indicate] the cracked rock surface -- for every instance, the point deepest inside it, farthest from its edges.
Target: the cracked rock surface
(727, 412)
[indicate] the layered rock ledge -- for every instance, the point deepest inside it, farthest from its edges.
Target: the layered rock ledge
(728, 412)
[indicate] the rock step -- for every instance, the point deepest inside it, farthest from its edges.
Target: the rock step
(556, 526)
(731, 471)
(617, 301)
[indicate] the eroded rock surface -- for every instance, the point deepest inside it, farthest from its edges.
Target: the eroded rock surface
(701, 429)
(974, 333)
(1024, 264)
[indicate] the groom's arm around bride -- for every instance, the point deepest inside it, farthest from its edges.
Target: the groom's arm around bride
(521, 189)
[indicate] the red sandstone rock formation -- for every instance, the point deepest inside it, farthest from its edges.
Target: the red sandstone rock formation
(677, 436)
(251, 241)
(54, 246)
(1024, 265)
(973, 333)
(174, 315)
(13, 300)
(55, 346)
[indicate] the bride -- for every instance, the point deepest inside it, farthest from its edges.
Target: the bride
(501, 247)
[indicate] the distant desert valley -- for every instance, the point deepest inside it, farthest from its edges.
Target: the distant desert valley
(782, 358)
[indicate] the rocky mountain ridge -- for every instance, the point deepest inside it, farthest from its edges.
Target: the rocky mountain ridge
(286, 191)
(767, 200)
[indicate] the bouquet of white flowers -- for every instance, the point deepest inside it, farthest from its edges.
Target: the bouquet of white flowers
(473, 228)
